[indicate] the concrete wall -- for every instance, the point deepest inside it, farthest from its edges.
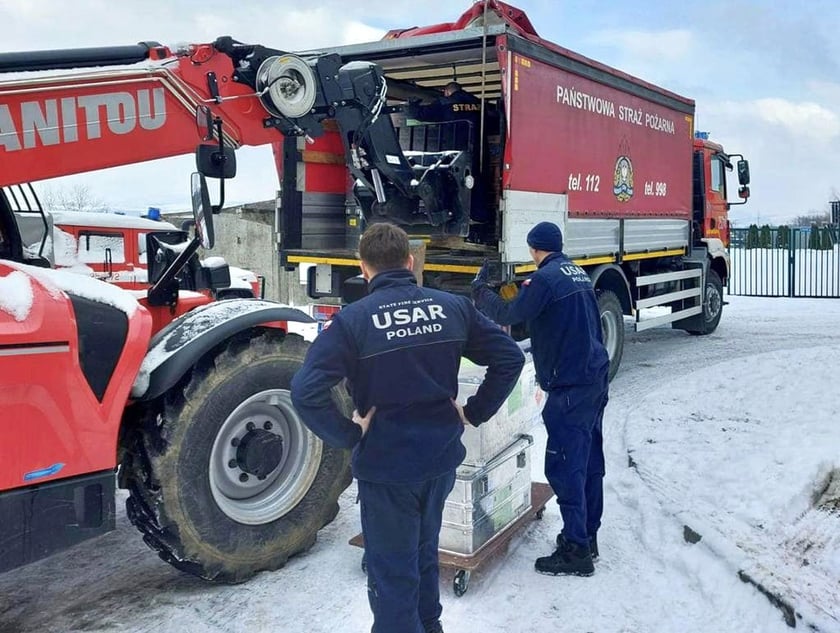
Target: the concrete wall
(246, 240)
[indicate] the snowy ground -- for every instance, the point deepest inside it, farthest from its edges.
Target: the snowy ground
(733, 435)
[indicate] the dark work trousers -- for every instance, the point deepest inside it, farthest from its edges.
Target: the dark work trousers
(401, 526)
(574, 457)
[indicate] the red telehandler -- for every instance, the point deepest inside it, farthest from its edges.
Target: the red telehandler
(184, 398)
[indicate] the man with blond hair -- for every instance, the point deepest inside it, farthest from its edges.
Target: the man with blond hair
(400, 349)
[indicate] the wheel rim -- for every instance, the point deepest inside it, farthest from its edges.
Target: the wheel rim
(253, 500)
(714, 302)
(609, 327)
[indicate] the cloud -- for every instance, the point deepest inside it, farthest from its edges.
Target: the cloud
(356, 32)
(804, 121)
(823, 91)
(785, 41)
(49, 24)
(792, 147)
(53, 24)
(658, 56)
(166, 182)
(645, 46)
(801, 119)
(24, 9)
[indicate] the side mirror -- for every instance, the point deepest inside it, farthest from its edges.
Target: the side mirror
(743, 167)
(202, 211)
(215, 162)
(744, 192)
(170, 261)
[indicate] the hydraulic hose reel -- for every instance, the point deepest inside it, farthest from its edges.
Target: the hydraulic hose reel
(287, 86)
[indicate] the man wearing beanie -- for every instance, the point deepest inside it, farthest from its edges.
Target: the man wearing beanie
(559, 306)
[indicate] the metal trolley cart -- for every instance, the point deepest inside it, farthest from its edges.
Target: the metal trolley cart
(487, 507)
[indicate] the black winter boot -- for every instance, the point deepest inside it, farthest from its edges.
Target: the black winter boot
(437, 627)
(568, 559)
(593, 545)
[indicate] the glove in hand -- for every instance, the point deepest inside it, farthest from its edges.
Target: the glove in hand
(482, 277)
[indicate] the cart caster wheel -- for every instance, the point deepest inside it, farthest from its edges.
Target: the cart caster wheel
(461, 582)
(364, 564)
(540, 513)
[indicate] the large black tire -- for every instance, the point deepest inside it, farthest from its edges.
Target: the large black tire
(612, 326)
(712, 304)
(233, 293)
(187, 505)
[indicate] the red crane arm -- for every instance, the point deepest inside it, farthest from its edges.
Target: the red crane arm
(55, 125)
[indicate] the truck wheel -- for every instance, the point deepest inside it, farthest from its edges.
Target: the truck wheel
(224, 479)
(712, 304)
(612, 326)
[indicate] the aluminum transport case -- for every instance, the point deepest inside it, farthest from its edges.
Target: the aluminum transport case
(487, 499)
(516, 416)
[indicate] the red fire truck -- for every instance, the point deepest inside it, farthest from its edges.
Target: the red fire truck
(111, 246)
(614, 160)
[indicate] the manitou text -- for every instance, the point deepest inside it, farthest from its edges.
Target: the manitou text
(67, 120)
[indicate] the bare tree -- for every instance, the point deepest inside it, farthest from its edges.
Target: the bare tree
(78, 197)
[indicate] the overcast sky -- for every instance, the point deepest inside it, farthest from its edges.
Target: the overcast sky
(764, 75)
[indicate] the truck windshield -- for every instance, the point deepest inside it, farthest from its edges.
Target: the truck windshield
(93, 247)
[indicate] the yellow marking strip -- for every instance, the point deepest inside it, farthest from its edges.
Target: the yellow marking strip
(444, 268)
(457, 268)
(651, 255)
(592, 261)
(524, 268)
(451, 268)
(300, 259)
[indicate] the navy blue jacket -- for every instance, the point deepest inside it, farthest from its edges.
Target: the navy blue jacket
(561, 310)
(400, 349)
(459, 105)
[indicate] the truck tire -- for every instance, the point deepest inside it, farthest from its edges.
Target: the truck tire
(612, 326)
(224, 479)
(712, 304)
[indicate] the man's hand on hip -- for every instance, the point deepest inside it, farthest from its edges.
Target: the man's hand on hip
(460, 410)
(363, 421)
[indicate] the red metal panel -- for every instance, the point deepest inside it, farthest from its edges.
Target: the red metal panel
(52, 425)
(322, 163)
(613, 153)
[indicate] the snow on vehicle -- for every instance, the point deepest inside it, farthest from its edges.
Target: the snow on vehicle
(108, 246)
(185, 396)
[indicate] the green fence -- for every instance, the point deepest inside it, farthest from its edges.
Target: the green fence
(785, 262)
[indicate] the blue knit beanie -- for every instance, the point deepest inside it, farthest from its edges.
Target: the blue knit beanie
(546, 236)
